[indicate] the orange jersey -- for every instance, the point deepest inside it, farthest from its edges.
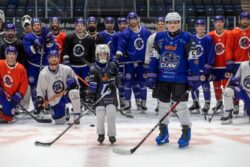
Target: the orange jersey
(60, 39)
(220, 42)
(13, 79)
(238, 45)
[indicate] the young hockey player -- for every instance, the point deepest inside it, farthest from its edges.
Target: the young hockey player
(200, 61)
(239, 88)
(168, 70)
(37, 45)
(103, 77)
(92, 30)
(59, 36)
(132, 44)
(220, 38)
(55, 79)
(13, 84)
(160, 26)
(237, 48)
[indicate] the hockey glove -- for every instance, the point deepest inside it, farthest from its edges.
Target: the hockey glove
(71, 83)
(234, 81)
(36, 46)
(39, 104)
(16, 98)
(151, 80)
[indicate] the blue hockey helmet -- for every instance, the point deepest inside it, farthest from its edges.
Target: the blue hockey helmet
(10, 48)
(200, 22)
(122, 20)
(160, 19)
(80, 20)
(219, 18)
(132, 15)
(35, 20)
(54, 19)
(244, 15)
(10, 26)
(91, 19)
(110, 20)
(53, 53)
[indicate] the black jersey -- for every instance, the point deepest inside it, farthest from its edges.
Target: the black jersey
(98, 38)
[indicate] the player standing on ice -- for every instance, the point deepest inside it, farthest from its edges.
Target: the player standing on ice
(59, 36)
(239, 88)
(109, 32)
(92, 30)
(104, 77)
(200, 60)
(13, 84)
(37, 45)
(132, 44)
(220, 37)
(237, 49)
(168, 70)
(55, 79)
(160, 26)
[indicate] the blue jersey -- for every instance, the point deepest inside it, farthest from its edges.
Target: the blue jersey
(134, 43)
(34, 57)
(201, 56)
(107, 37)
(170, 59)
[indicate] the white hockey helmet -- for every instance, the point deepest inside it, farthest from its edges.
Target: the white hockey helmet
(102, 48)
(173, 16)
(2, 16)
(26, 19)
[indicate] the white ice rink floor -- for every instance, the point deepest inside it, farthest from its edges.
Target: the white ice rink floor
(212, 144)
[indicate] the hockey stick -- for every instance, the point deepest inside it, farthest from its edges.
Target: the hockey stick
(214, 111)
(27, 112)
(131, 151)
(82, 80)
(119, 104)
(38, 143)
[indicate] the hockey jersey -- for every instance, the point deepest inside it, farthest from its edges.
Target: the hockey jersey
(60, 40)
(238, 45)
(134, 43)
(201, 56)
(243, 75)
(51, 83)
(170, 59)
(149, 48)
(13, 79)
(97, 38)
(220, 43)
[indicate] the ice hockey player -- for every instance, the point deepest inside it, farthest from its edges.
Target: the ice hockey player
(2, 20)
(200, 61)
(239, 88)
(237, 48)
(103, 77)
(122, 25)
(109, 32)
(59, 36)
(55, 79)
(37, 45)
(220, 37)
(26, 25)
(132, 42)
(13, 82)
(168, 70)
(92, 30)
(79, 52)
(160, 26)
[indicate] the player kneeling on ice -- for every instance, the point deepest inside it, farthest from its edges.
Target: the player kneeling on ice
(53, 80)
(168, 71)
(239, 88)
(13, 84)
(103, 78)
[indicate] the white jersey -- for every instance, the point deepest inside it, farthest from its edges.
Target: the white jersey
(149, 48)
(243, 74)
(52, 83)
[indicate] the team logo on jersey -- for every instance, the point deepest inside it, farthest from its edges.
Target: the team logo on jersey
(246, 82)
(109, 43)
(169, 60)
(128, 76)
(196, 52)
(78, 50)
(58, 86)
(8, 81)
(139, 44)
(244, 42)
(219, 48)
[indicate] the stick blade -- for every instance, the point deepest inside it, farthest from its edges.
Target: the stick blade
(38, 143)
(121, 151)
(44, 120)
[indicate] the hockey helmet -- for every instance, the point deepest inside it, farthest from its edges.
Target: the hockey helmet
(122, 20)
(2, 16)
(102, 48)
(54, 19)
(91, 19)
(10, 26)
(53, 53)
(109, 20)
(160, 19)
(200, 22)
(35, 20)
(219, 18)
(244, 15)
(10, 48)
(132, 15)
(173, 16)
(80, 20)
